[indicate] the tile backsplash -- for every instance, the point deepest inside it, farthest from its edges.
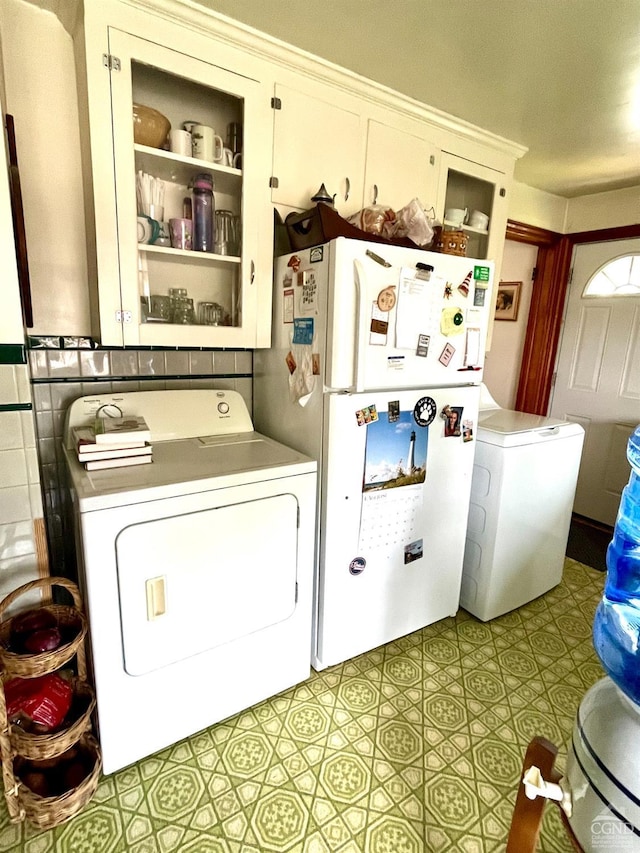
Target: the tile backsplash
(60, 375)
(21, 506)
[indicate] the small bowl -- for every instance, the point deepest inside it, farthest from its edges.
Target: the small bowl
(149, 126)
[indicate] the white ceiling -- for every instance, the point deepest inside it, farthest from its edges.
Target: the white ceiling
(561, 77)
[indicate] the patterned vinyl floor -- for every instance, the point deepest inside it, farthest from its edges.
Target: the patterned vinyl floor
(416, 746)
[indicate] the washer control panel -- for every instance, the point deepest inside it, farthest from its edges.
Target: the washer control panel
(171, 415)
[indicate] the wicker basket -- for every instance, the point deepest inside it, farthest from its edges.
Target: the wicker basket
(33, 665)
(47, 812)
(39, 746)
(449, 242)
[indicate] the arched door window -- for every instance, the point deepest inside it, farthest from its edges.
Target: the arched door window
(619, 277)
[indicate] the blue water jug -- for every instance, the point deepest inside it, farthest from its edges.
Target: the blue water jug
(616, 628)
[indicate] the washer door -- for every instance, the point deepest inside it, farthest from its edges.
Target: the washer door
(190, 582)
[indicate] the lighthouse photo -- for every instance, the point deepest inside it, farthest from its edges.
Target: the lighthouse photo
(396, 452)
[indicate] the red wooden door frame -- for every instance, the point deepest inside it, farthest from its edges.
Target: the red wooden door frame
(547, 304)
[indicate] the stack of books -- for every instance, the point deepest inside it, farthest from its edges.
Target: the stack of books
(113, 443)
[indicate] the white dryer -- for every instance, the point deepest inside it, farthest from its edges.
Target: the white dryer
(197, 570)
(524, 481)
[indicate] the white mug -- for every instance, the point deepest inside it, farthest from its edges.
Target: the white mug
(207, 145)
(180, 142)
(148, 229)
(455, 215)
(478, 219)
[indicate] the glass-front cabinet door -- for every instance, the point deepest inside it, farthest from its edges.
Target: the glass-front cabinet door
(174, 289)
(473, 197)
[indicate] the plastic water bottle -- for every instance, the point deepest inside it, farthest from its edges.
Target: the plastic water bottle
(616, 628)
(203, 210)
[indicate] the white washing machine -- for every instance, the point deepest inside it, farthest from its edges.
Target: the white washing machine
(197, 570)
(522, 491)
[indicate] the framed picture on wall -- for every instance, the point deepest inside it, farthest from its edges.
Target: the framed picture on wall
(507, 300)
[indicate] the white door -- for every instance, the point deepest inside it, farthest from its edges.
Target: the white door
(598, 373)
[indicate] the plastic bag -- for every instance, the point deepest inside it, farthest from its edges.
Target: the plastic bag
(373, 219)
(44, 701)
(411, 221)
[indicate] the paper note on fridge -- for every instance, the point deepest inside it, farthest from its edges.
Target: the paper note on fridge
(417, 309)
(472, 348)
(308, 297)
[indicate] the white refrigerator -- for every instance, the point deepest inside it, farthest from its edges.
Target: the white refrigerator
(375, 371)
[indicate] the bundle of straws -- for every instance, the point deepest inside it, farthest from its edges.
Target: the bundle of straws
(149, 193)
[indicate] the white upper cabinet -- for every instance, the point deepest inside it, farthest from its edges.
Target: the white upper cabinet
(137, 281)
(474, 189)
(316, 142)
(400, 166)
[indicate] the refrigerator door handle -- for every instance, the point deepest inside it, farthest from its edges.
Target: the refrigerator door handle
(361, 319)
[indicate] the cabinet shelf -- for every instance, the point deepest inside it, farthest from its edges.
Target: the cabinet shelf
(173, 167)
(483, 231)
(192, 255)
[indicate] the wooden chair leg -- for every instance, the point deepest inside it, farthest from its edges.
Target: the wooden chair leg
(527, 814)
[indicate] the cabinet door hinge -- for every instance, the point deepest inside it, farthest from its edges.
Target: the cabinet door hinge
(296, 599)
(534, 273)
(276, 104)
(274, 183)
(553, 380)
(123, 316)
(571, 275)
(111, 62)
(432, 160)
(503, 192)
